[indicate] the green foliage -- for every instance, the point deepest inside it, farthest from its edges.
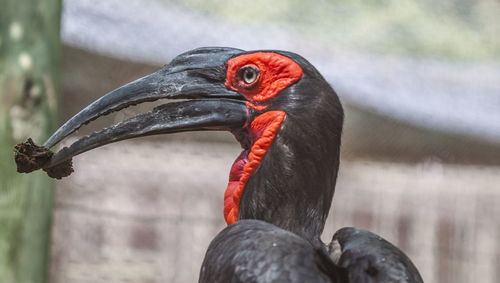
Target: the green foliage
(29, 59)
(460, 29)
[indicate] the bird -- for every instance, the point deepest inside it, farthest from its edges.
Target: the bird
(288, 121)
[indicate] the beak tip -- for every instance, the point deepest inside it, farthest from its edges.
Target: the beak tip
(50, 142)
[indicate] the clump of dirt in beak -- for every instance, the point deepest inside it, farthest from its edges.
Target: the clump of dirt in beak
(30, 157)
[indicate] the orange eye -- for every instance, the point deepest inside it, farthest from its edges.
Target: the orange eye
(248, 74)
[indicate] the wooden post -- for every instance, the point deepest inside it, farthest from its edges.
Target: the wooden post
(29, 79)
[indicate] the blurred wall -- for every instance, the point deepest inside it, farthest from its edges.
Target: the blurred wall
(134, 212)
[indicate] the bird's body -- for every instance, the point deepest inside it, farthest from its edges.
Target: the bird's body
(288, 120)
(256, 251)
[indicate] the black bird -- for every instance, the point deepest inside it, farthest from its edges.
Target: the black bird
(288, 121)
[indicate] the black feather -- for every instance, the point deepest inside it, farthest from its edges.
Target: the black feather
(370, 258)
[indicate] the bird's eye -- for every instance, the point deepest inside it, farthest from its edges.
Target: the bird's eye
(249, 74)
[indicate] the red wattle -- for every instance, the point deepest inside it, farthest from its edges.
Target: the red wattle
(262, 130)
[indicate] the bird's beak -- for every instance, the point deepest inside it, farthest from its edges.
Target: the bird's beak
(209, 106)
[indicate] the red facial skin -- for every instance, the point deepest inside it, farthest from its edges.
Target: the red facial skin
(275, 73)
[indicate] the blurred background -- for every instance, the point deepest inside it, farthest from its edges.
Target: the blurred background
(419, 81)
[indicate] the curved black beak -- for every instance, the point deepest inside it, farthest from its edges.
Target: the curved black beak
(198, 75)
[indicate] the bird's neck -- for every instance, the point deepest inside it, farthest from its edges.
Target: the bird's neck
(293, 183)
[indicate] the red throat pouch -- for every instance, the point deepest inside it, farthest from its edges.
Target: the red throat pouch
(263, 129)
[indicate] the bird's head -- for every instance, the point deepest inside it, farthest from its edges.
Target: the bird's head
(286, 117)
